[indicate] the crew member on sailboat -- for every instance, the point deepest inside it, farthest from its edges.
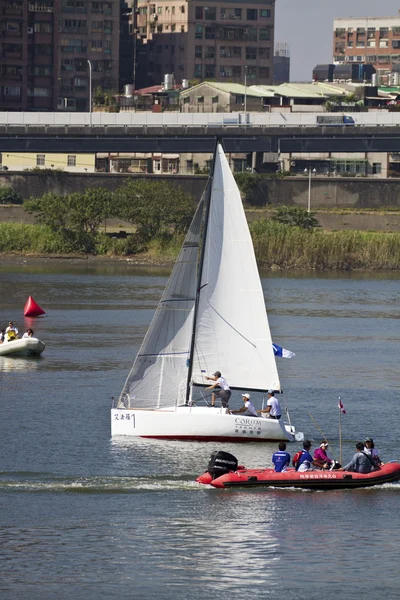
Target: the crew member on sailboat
(224, 393)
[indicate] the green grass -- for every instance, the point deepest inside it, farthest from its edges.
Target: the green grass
(276, 246)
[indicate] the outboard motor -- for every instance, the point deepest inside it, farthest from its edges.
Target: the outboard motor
(221, 463)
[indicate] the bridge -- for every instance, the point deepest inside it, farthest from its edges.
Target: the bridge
(181, 133)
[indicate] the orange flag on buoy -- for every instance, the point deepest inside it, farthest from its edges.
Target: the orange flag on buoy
(32, 309)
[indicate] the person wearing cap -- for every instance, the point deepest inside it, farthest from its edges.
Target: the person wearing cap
(369, 448)
(281, 458)
(273, 408)
(321, 459)
(224, 392)
(247, 410)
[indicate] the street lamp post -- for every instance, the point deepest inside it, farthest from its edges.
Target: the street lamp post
(90, 91)
(310, 172)
(245, 94)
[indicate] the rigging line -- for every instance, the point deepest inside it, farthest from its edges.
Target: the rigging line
(320, 430)
(232, 327)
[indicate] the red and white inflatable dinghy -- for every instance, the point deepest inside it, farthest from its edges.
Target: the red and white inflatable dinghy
(317, 480)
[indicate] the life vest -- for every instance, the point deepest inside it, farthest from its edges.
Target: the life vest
(11, 335)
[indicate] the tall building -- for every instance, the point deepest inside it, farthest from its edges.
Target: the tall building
(45, 49)
(373, 40)
(222, 40)
(281, 63)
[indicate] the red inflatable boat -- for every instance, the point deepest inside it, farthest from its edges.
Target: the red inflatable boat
(316, 480)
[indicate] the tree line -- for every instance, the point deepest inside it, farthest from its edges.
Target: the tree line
(153, 208)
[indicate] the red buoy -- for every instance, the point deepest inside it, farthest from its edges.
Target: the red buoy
(32, 309)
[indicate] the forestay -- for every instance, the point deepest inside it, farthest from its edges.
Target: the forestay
(232, 332)
(159, 374)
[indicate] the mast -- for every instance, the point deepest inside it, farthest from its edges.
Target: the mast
(199, 275)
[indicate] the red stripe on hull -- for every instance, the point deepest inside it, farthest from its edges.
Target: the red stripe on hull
(212, 438)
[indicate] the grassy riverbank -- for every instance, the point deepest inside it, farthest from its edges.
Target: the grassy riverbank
(276, 246)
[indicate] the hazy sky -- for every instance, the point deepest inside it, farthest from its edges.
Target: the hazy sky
(307, 26)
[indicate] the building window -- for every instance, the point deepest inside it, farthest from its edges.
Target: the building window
(371, 32)
(263, 72)
(237, 72)
(396, 43)
(237, 51)
(71, 160)
(264, 52)
(12, 90)
(371, 44)
(199, 13)
(237, 13)
(251, 53)
(215, 99)
(210, 33)
(265, 13)
(210, 13)
(225, 71)
(210, 52)
(186, 100)
(265, 33)
(383, 32)
(376, 168)
(40, 160)
(210, 71)
(251, 72)
(223, 13)
(159, 10)
(383, 44)
(198, 51)
(252, 14)
(198, 71)
(200, 99)
(198, 34)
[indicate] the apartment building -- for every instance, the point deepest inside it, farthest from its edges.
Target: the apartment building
(223, 40)
(45, 49)
(373, 40)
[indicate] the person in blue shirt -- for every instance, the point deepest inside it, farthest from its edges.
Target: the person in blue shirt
(281, 459)
(305, 462)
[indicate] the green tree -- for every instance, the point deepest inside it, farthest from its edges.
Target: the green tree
(154, 207)
(9, 196)
(295, 216)
(75, 217)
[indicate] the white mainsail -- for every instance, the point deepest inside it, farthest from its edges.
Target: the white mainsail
(232, 333)
(159, 375)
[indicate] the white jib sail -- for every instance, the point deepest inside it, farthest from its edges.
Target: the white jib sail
(232, 331)
(159, 375)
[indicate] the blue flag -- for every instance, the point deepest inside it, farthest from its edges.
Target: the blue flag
(282, 352)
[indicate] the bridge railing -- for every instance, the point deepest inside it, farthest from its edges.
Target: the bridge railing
(172, 119)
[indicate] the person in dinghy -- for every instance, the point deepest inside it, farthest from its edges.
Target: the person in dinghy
(224, 392)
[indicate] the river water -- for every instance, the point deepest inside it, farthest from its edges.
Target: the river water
(82, 516)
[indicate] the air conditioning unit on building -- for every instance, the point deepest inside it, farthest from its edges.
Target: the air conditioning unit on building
(30, 30)
(154, 17)
(293, 163)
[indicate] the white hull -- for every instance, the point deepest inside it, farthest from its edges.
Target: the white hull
(22, 347)
(198, 423)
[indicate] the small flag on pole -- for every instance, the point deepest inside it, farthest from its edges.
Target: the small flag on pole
(282, 352)
(341, 407)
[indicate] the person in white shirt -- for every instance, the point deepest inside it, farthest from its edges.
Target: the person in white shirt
(247, 409)
(224, 393)
(273, 408)
(29, 333)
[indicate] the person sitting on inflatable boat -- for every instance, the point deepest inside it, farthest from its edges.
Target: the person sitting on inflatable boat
(305, 461)
(281, 459)
(11, 332)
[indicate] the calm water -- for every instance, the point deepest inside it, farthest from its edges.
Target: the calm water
(82, 516)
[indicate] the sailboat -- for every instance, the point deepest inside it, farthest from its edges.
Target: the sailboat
(211, 316)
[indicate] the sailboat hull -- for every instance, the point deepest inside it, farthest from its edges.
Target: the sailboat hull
(198, 423)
